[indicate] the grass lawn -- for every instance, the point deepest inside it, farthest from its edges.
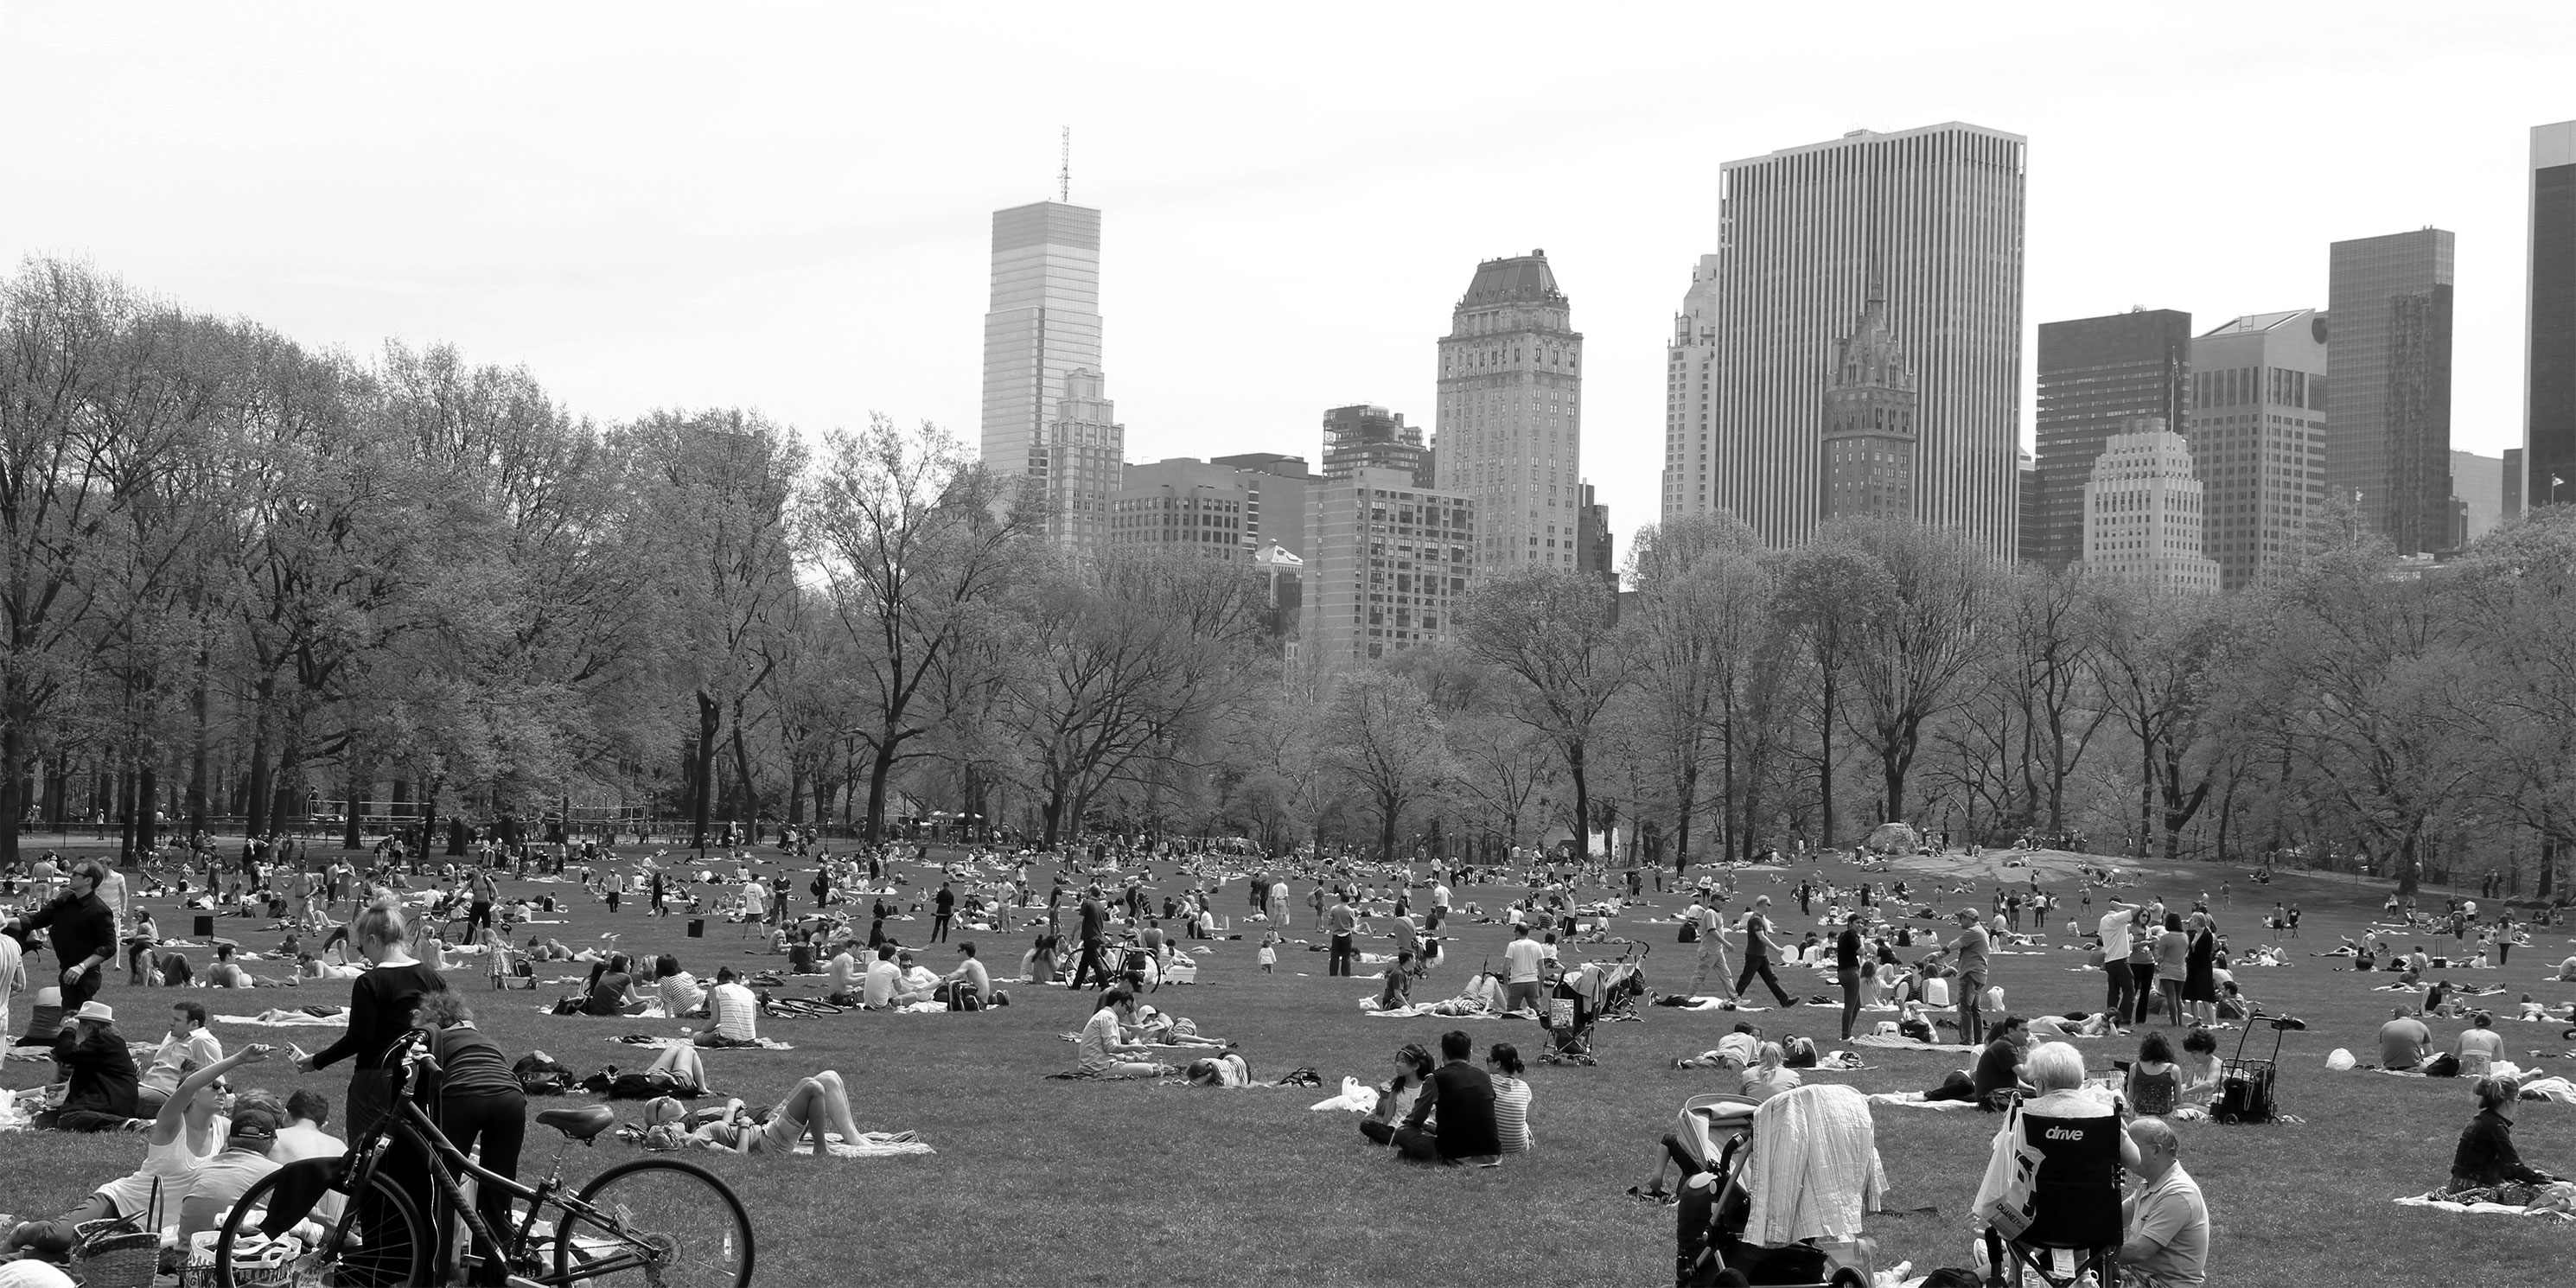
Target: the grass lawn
(1055, 1183)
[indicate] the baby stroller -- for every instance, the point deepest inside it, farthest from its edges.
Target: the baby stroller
(1569, 1018)
(1713, 1144)
(1623, 991)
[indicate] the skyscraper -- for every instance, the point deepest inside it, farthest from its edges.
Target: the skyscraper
(1044, 322)
(2142, 511)
(1938, 212)
(1086, 448)
(1387, 563)
(2259, 438)
(2549, 345)
(1869, 423)
(1375, 437)
(1510, 420)
(2389, 385)
(2477, 496)
(2095, 376)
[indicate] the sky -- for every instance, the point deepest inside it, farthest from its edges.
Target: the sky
(789, 207)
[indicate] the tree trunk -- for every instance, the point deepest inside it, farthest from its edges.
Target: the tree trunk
(1682, 823)
(1582, 799)
(147, 793)
(742, 767)
(702, 770)
(1388, 807)
(13, 774)
(198, 710)
(880, 769)
(350, 838)
(428, 819)
(2548, 868)
(795, 796)
(1825, 763)
(255, 807)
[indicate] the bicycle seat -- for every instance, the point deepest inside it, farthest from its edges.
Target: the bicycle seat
(579, 1124)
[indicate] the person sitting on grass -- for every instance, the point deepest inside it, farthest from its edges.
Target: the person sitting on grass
(2485, 1160)
(1511, 1099)
(221, 1180)
(2201, 1067)
(189, 1047)
(2167, 1220)
(2478, 1047)
(1453, 1120)
(2403, 1040)
(969, 987)
(1768, 1077)
(176, 1144)
(814, 1107)
(1398, 990)
(681, 993)
(2155, 1081)
(919, 984)
(101, 1082)
(1101, 1043)
(1413, 1068)
(612, 989)
(848, 979)
(733, 1012)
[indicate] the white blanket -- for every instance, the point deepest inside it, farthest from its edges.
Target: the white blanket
(1907, 1044)
(870, 1144)
(1815, 1167)
(1915, 1100)
(287, 1019)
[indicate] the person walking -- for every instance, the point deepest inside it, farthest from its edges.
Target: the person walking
(84, 933)
(1711, 928)
(1759, 951)
(1847, 970)
(943, 906)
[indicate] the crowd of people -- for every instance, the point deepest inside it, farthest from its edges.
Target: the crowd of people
(1106, 920)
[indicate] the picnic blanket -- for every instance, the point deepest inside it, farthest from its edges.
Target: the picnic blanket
(870, 1144)
(1464, 1008)
(1915, 1100)
(1699, 1003)
(1908, 1044)
(652, 1043)
(286, 1019)
(2547, 1207)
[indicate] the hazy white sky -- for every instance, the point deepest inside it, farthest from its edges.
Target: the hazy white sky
(788, 206)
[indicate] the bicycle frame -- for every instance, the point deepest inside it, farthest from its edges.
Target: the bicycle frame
(446, 1161)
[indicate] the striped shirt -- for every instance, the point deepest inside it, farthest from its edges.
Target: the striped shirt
(1511, 1114)
(735, 1011)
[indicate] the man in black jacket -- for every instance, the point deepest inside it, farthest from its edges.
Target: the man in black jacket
(103, 1080)
(1464, 1097)
(84, 934)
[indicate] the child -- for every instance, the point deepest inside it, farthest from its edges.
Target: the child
(1269, 955)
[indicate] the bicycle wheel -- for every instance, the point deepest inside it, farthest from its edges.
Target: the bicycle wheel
(666, 1224)
(384, 1243)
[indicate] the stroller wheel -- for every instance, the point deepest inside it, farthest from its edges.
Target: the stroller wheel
(2230, 1119)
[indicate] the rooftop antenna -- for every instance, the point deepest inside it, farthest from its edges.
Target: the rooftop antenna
(1064, 175)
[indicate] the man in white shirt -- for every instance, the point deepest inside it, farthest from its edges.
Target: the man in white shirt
(733, 1014)
(884, 980)
(190, 1046)
(2115, 959)
(919, 983)
(1439, 896)
(1521, 960)
(755, 899)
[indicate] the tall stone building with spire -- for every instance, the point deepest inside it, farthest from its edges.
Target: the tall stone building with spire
(1868, 467)
(1510, 418)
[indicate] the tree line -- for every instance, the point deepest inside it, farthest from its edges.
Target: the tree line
(245, 576)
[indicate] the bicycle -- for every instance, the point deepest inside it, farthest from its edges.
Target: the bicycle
(647, 1221)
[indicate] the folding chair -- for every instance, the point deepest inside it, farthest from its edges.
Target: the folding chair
(2074, 1205)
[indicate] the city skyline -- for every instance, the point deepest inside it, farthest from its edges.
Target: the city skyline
(839, 262)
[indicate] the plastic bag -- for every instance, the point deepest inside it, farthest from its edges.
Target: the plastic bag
(2340, 1060)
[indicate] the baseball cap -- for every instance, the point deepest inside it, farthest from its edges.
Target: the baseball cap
(254, 1123)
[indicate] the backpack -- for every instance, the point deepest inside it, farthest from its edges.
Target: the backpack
(1690, 933)
(540, 1074)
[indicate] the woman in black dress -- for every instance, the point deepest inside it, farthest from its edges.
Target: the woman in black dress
(2200, 974)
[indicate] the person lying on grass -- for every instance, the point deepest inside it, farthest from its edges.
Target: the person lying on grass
(815, 1106)
(1155, 1028)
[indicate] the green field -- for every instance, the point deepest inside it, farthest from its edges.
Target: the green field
(1040, 1182)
